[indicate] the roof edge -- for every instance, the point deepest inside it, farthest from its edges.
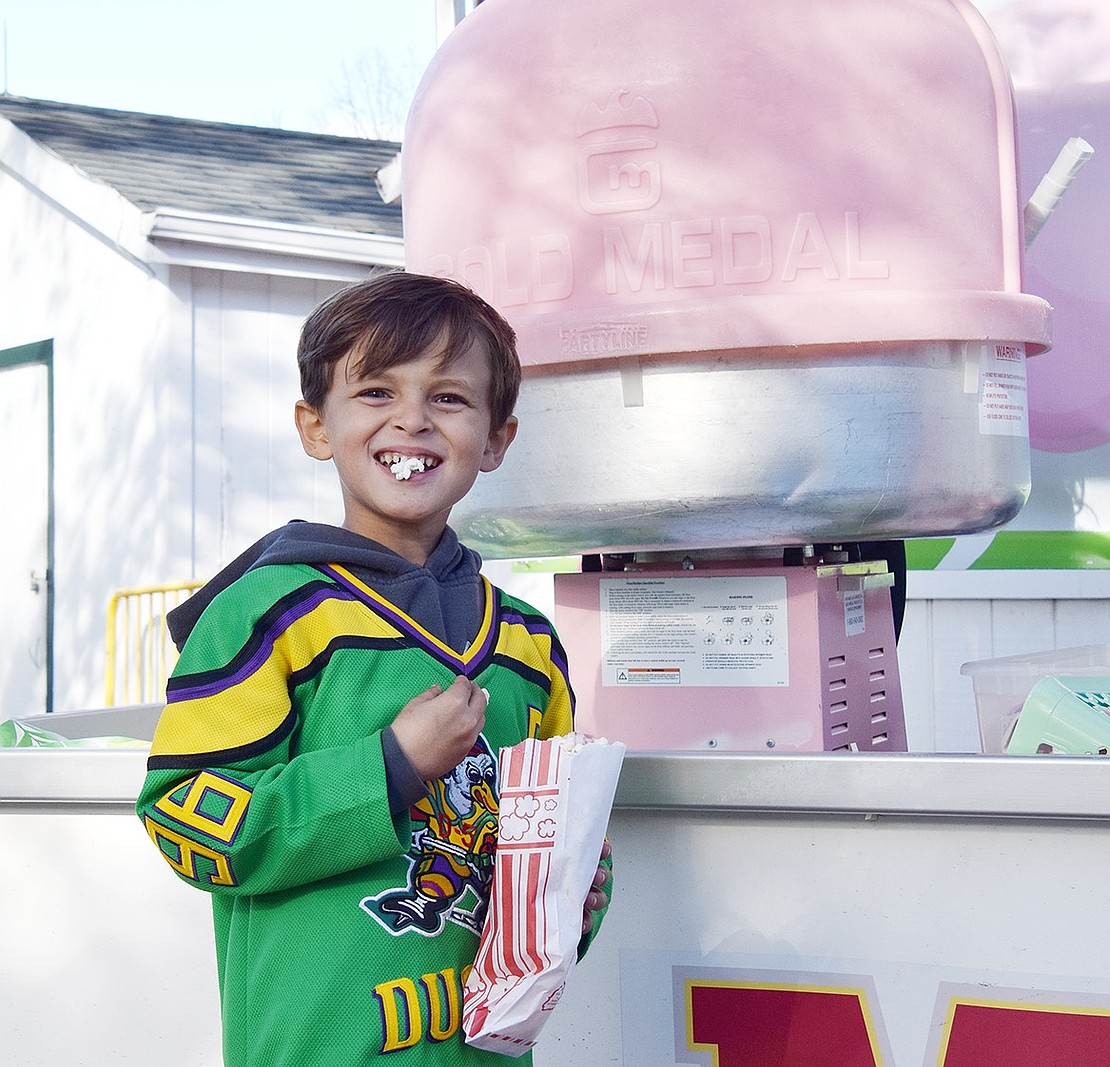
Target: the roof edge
(192, 238)
(96, 207)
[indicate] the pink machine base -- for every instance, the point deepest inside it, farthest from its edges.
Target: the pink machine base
(805, 655)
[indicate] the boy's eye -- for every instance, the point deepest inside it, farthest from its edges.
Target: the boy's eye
(450, 399)
(372, 393)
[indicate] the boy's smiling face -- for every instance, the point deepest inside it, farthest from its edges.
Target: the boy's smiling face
(421, 411)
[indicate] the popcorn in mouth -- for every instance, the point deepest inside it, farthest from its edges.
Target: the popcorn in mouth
(403, 467)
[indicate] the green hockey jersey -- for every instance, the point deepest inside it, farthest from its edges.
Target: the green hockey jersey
(343, 933)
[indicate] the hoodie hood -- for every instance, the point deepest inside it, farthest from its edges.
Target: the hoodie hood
(444, 596)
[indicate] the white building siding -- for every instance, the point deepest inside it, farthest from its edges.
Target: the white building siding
(174, 385)
(247, 470)
(74, 279)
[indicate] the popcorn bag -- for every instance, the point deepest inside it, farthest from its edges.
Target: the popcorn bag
(555, 801)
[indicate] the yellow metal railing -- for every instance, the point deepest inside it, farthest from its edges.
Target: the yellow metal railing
(138, 649)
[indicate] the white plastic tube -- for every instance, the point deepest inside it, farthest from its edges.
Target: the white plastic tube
(1054, 184)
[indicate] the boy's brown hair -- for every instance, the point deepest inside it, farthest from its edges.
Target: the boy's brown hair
(392, 318)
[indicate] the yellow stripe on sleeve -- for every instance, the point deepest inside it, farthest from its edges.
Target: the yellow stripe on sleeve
(252, 702)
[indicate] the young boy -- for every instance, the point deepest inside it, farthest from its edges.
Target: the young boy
(325, 766)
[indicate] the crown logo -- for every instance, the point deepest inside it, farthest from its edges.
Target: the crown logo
(622, 108)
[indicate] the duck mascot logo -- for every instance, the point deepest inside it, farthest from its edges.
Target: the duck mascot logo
(451, 856)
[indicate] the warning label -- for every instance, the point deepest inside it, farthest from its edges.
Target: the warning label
(1003, 398)
(694, 631)
(649, 676)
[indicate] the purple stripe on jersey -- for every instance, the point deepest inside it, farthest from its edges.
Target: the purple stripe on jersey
(540, 626)
(533, 625)
(559, 661)
(264, 650)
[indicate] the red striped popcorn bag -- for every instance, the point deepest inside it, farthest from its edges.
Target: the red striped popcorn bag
(554, 809)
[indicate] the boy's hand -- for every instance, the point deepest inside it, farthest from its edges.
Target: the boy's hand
(438, 727)
(598, 896)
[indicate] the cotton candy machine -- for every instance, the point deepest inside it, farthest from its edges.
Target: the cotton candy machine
(763, 260)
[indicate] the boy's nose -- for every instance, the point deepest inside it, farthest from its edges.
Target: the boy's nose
(412, 415)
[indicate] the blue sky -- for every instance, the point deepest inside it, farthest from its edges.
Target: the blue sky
(259, 62)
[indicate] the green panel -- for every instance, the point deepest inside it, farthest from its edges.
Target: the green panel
(924, 553)
(1046, 550)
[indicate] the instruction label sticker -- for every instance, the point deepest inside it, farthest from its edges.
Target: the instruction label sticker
(694, 632)
(855, 614)
(1003, 396)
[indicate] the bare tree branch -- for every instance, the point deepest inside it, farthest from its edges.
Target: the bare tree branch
(372, 95)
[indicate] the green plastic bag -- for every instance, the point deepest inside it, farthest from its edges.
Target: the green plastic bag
(17, 734)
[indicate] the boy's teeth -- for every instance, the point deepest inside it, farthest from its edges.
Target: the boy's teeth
(403, 467)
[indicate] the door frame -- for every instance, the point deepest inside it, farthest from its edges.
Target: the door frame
(41, 353)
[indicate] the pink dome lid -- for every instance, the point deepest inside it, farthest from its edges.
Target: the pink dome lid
(633, 177)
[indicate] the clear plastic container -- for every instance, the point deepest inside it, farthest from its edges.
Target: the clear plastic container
(1002, 685)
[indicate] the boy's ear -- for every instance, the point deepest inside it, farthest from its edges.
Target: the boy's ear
(310, 426)
(498, 444)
